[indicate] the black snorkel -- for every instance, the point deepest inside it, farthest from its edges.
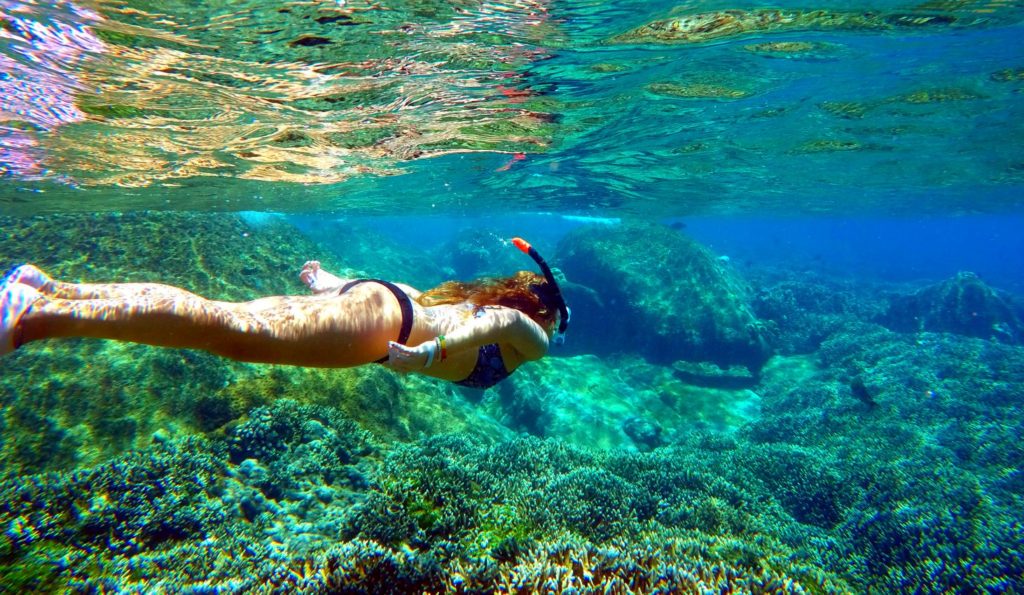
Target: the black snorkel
(550, 295)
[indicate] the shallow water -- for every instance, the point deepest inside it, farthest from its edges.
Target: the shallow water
(790, 236)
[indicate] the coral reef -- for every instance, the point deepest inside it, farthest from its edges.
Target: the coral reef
(217, 256)
(802, 312)
(448, 513)
(689, 304)
(140, 502)
(819, 494)
(862, 459)
(614, 402)
(926, 471)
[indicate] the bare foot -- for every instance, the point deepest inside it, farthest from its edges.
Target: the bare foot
(15, 299)
(309, 272)
(27, 274)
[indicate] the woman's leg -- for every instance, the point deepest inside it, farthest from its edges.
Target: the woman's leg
(319, 280)
(320, 330)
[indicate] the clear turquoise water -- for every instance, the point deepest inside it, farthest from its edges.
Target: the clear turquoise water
(837, 161)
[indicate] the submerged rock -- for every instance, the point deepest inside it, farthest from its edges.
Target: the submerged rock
(964, 305)
(598, 402)
(661, 294)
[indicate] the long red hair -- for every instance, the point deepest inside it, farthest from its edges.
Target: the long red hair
(511, 292)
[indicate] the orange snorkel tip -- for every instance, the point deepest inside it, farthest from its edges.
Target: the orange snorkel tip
(522, 244)
(554, 296)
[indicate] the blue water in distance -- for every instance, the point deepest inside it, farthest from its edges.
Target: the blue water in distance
(892, 249)
(887, 249)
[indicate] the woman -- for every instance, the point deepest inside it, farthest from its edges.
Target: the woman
(474, 334)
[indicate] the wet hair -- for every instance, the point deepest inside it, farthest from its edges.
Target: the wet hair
(517, 291)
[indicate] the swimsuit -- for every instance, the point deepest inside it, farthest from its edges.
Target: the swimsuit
(403, 301)
(489, 370)
(490, 366)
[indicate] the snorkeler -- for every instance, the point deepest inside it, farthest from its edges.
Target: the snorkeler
(474, 334)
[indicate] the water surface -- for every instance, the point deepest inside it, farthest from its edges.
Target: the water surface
(473, 107)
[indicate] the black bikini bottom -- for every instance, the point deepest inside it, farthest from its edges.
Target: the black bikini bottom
(489, 370)
(403, 300)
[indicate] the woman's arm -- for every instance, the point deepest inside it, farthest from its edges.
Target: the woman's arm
(500, 325)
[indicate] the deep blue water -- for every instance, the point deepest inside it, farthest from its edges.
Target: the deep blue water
(892, 249)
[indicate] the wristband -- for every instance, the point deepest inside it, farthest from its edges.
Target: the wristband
(444, 348)
(431, 350)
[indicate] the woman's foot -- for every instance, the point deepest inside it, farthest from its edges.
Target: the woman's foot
(26, 274)
(15, 299)
(317, 279)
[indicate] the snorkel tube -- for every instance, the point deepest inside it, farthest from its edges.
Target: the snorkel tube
(551, 296)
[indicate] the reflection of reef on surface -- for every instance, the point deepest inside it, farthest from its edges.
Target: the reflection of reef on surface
(696, 90)
(828, 146)
(711, 26)
(1008, 75)
(902, 103)
(794, 50)
(304, 93)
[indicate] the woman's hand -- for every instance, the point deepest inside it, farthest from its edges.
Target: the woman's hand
(403, 358)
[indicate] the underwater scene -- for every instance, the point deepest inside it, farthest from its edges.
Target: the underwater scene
(770, 338)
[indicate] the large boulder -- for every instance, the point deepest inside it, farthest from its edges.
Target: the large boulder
(652, 290)
(963, 304)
